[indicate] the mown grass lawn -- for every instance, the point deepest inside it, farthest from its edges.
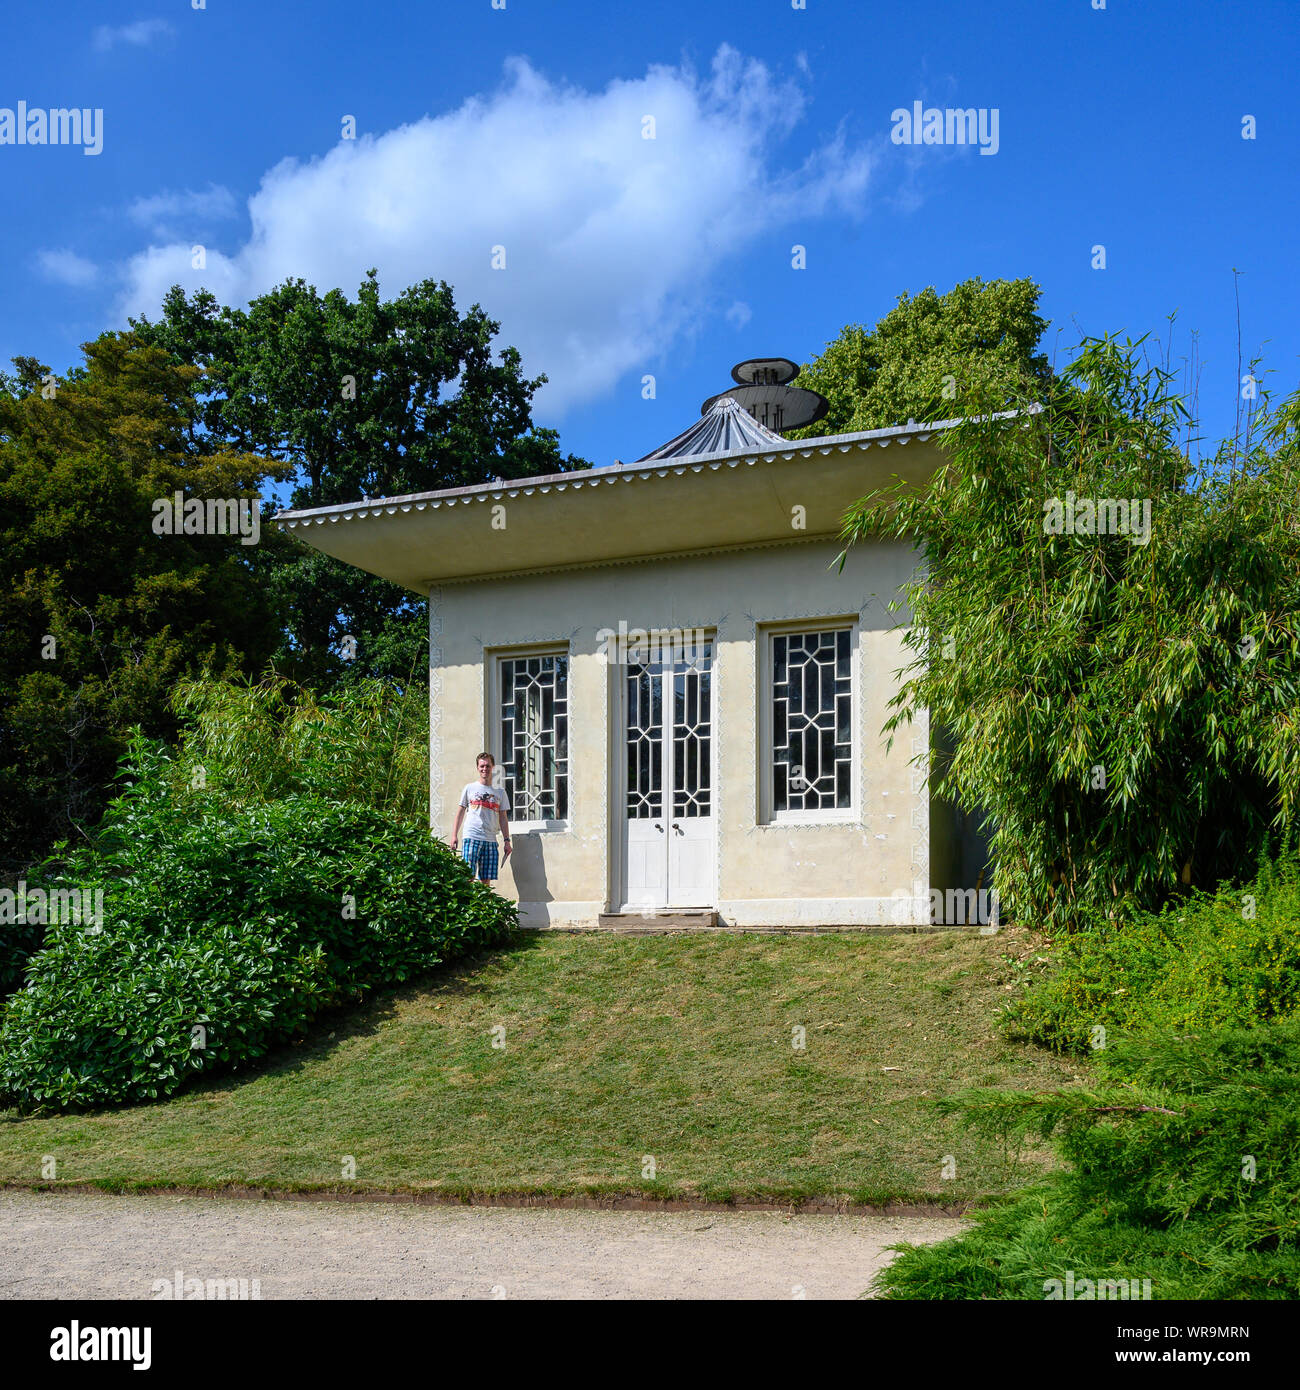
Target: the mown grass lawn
(615, 1049)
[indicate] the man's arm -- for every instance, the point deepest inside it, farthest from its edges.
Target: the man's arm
(455, 834)
(505, 828)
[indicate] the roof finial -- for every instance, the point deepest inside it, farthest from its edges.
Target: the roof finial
(764, 390)
(750, 415)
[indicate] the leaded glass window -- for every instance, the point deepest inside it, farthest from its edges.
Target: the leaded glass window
(692, 730)
(682, 677)
(535, 736)
(645, 740)
(812, 721)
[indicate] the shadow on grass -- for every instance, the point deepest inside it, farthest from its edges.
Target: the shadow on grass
(329, 1030)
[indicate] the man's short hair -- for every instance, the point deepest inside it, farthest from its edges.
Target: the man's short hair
(488, 756)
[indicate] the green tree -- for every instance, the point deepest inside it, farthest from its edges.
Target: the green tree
(100, 615)
(362, 398)
(1124, 708)
(931, 356)
(1154, 1185)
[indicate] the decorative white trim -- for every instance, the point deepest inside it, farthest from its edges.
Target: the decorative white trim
(826, 444)
(812, 820)
(530, 644)
(597, 477)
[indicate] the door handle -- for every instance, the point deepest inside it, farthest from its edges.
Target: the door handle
(678, 828)
(659, 827)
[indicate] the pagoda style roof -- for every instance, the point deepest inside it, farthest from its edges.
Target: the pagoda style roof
(781, 492)
(725, 427)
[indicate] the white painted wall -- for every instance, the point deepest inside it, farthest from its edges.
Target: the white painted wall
(871, 870)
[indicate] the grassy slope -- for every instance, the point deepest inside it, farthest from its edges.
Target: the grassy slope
(616, 1048)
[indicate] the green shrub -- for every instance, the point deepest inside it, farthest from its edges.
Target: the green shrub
(19, 941)
(1120, 708)
(1185, 1170)
(244, 743)
(1199, 964)
(367, 741)
(232, 929)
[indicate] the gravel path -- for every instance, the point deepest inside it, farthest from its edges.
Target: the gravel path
(75, 1246)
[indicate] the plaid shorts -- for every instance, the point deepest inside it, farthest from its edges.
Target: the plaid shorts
(481, 856)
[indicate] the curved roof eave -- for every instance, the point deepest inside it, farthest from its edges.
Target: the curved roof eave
(589, 477)
(591, 517)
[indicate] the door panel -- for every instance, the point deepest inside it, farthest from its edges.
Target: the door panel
(669, 844)
(690, 842)
(647, 830)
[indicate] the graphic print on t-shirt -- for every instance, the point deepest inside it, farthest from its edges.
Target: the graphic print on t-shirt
(481, 804)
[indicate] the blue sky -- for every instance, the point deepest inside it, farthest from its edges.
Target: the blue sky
(626, 257)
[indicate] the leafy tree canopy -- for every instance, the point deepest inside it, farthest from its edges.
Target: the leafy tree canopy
(931, 356)
(364, 397)
(100, 614)
(1123, 698)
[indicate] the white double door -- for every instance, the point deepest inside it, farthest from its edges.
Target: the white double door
(669, 807)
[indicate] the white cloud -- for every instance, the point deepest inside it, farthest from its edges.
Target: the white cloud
(172, 214)
(740, 313)
(142, 32)
(610, 239)
(67, 268)
(138, 35)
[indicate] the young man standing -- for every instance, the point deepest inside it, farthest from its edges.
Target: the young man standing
(482, 807)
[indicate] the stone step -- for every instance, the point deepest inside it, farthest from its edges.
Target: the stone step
(659, 921)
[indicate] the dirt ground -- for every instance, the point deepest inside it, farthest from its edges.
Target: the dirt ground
(85, 1247)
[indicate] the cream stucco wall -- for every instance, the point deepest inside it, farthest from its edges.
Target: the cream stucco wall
(871, 870)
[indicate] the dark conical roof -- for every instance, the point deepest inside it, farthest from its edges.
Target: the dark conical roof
(724, 428)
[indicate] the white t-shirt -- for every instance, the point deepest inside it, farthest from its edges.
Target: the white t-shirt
(481, 806)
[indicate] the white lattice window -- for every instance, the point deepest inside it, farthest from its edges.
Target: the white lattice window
(810, 702)
(674, 686)
(534, 695)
